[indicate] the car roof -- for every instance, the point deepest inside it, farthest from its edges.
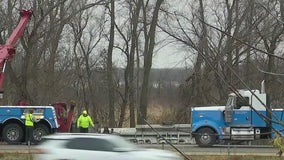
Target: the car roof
(77, 135)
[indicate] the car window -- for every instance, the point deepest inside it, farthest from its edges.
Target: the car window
(46, 139)
(94, 144)
(120, 142)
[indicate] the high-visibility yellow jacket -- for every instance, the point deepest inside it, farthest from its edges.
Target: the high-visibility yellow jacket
(84, 121)
(29, 120)
(279, 142)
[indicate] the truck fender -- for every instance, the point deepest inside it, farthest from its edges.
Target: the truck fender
(206, 123)
(13, 119)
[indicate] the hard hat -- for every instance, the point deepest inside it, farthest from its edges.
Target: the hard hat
(72, 102)
(84, 112)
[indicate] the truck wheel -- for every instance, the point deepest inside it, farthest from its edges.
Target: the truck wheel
(13, 133)
(205, 137)
(39, 131)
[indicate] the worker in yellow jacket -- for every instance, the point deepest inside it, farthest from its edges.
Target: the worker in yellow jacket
(29, 125)
(278, 142)
(84, 121)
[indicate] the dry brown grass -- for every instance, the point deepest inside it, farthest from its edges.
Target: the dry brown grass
(14, 156)
(158, 114)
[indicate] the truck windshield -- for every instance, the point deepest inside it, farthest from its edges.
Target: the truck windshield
(231, 101)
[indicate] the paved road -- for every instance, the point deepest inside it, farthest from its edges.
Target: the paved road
(220, 149)
(186, 149)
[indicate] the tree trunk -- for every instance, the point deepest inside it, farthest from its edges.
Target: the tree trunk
(249, 41)
(148, 55)
(134, 39)
(110, 69)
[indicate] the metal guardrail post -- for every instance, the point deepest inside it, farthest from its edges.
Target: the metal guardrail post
(229, 149)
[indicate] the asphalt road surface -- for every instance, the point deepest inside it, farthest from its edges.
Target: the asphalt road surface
(186, 149)
(220, 149)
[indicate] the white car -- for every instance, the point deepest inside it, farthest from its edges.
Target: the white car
(90, 146)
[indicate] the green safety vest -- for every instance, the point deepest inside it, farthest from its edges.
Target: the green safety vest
(29, 120)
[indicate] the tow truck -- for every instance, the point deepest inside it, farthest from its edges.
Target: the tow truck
(52, 118)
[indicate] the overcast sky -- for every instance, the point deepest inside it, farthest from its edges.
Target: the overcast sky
(166, 54)
(166, 57)
(169, 57)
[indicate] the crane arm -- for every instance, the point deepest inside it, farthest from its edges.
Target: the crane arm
(8, 50)
(19, 30)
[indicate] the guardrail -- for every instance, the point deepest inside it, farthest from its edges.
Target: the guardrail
(175, 133)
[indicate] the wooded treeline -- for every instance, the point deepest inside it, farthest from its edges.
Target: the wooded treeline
(69, 47)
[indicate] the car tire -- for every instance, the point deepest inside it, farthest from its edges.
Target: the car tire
(13, 133)
(205, 137)
(39, 131)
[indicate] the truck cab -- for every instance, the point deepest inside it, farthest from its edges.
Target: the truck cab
(241, 119)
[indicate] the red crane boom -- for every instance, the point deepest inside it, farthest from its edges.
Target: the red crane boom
(11, 126)
(8, 50)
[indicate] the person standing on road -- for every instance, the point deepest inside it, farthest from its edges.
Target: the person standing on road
(29, 125)
(84, 121)
(278, 142)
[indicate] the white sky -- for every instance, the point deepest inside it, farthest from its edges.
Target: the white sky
(169, 57)
(166, 57)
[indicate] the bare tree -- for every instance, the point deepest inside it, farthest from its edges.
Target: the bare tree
(109, 66)
(86, 58)
(35, 71)
(149, 45)
(127, 29)
(224, 39)
(134, 46)
(270, 32)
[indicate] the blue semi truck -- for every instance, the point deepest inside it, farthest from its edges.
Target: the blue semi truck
(246, 117)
